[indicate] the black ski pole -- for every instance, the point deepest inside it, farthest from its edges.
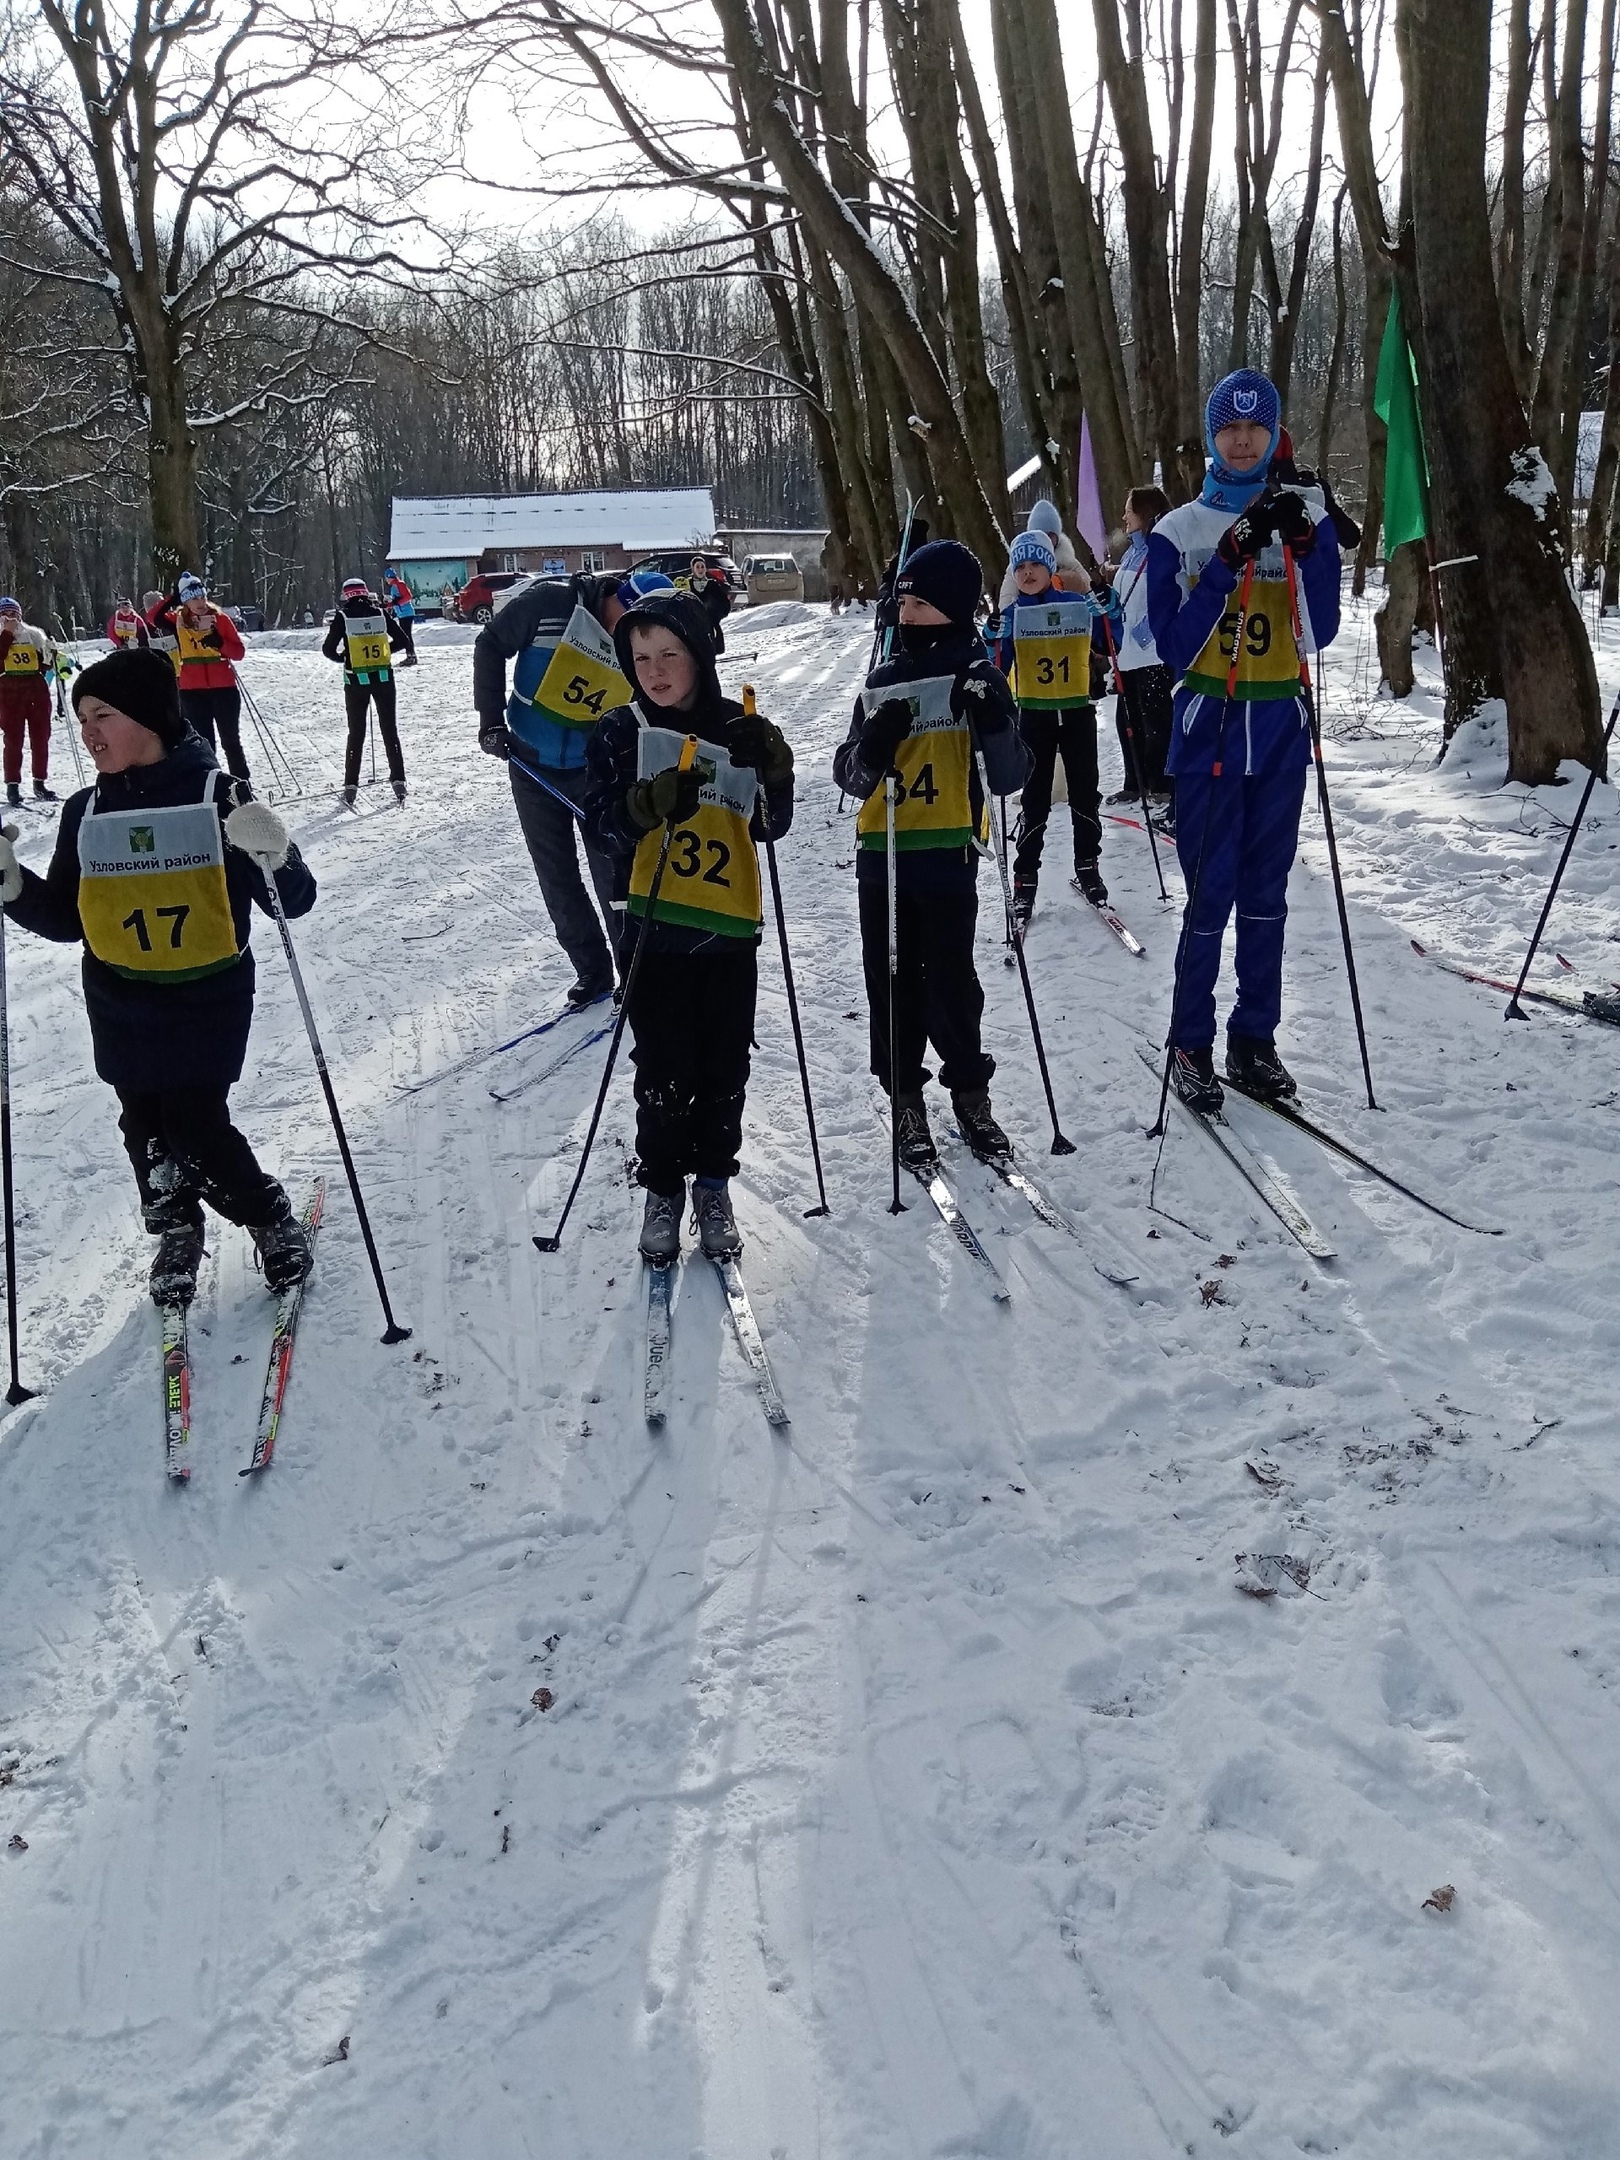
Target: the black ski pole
(1513, 1009)
(1315, 723)
(1060, 1145)
(16, 1392)
(1136, 755)
(1156, 1130)
(554, 1242)
(395, 1333)
(749, 706)
(896, 1206)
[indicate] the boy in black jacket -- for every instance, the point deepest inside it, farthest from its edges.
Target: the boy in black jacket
(157, 869)
(924, 715)
(691, 1009)
(365, 635)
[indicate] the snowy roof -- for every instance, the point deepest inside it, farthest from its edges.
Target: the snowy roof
(430, 525)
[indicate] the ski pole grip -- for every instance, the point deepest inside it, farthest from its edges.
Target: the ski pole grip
(749, 705)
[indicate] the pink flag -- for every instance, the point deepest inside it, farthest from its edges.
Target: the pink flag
(1089, 521)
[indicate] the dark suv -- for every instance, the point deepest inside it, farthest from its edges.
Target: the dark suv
(676, 563)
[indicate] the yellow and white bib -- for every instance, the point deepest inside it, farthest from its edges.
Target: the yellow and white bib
(1052, 652)
(581, 680)
(190, 641)
(711, 880)
(365, 642)
(153, 901)
(933, 796)
(27, 654)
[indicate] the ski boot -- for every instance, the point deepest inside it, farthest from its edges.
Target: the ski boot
(582, 993)
(661, 1226)
(1124, 794)
(349, 793)
(175, 1264)
(399, 791)
(42, 793)
(1023, 907)
(716, 1224)
(917, 1149)
(1088, 883)
(14, 794)
(1252, 1064)
(978, 1128)
(1192, 1075)
(283, 1246)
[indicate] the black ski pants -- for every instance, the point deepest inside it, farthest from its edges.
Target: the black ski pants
(692, 1017)
(1146, 706)
(1073, 731)
(217, 717)
(184, 1150)
(938, 997)
(553, 837)
(358, 698)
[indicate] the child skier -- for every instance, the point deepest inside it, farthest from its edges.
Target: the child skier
(126, 626)
(206, 643)
(157, 870)
(923, 715)
(691, 1008)
(364, 635)
(1226, 576)
(27, 667)
(1142, 709)
(1045, 647)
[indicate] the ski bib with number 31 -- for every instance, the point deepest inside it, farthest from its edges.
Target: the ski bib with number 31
(711, 881)
(1052, 653)
(933, 806)
(153, 901)
(365, 639)
(581, 680)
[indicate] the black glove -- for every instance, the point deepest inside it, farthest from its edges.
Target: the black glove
(494, 739)
(1248, 536)
(751, 739)
(883, 733)
(1293, 523)
(670, 796)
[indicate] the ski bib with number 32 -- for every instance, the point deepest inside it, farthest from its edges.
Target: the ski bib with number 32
(581, 680)
(1052, 653)
(711, 881)
(153, 900)
(365, 639)
(933, 806)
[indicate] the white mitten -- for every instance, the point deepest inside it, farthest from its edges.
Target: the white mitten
(257, 831)
(10, 868)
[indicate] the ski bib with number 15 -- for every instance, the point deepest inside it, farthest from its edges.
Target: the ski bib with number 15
(933, 797)
(153, 901)
(581, 680)
(711, 881)
(365, 639)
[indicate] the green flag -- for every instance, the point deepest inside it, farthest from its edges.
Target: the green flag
(1406, 465)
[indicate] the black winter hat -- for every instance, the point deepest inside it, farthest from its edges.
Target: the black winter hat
(945, 574)
(140, 683)
(689, 619)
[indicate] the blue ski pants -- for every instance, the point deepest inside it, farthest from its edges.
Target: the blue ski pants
(1253, 835)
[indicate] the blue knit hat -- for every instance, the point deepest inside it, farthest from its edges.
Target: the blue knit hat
(1244, 395)
(1044, 517)
(1034, 547)
(640, 584)
(947, 576)
(7, 601)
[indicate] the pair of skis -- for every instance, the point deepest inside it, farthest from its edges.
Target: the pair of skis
(1589, 1004)
(660, 1295)
(278, 1368)
(1106, 913)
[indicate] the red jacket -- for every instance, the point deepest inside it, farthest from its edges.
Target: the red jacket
(134, 622)
(205, 656)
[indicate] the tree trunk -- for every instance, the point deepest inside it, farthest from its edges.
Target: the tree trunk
(1396, 620)
(172, 476)
(1491, 492)
(1341, 323)
(1510, 239)
(1557, 352)
(1188, 476)
(1604, 492)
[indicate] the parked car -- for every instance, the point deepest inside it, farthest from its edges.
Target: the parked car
(246, 617)
(676, 563)
(477, 600)
(772, 577)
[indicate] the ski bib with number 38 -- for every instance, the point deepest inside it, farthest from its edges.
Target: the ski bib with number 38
(365, 639)
(25, 659)
(711, 881)
(581, 680)
(933, 805)
(1052, 653)
(153, 900)
(1268, 665)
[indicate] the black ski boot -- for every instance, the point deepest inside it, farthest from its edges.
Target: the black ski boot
(661, 1226)
(582, 993)
(42, 793)
(917, 1149)
(1023, 908)
(1088, 883)
(399, 791)
(1252, 1064)
(14, 794)
(978, 1128)
(716, 1224)
(347, 798)
(175, 1264)
(283, 1246)
(1192, 1075)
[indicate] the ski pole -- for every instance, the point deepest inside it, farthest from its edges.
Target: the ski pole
(1136, 753)
(282, 774)
(552, 1243)
(749, 706)
(1156, 1130)
(896, 1206)
(16, 1392)
(1315, 723)
(1060, 1145)
(395, 1333)
(1513, 1012)
(66, 719)
(371, 737)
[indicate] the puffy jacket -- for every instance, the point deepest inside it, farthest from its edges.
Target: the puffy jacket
(209, 666)
(532, 625)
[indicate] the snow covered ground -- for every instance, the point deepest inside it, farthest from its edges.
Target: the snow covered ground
(916, 1783)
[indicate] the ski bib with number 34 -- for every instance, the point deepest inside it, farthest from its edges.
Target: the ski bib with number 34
(153, 900)
(933, 805)
(1052, 653)
(581, 680)
(711, 881)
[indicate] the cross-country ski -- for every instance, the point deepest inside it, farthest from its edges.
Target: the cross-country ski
(1260, 1175)
(283, 1341)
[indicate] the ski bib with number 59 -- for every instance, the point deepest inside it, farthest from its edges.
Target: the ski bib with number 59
(153, 900)
(581, 680)
(933, 797)
(1052, 653)
(711, 881)
(1268, 665)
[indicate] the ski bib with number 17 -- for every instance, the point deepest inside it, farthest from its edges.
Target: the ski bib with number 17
(711, 881)
(933, 796)
(581, 680)
(153, 901)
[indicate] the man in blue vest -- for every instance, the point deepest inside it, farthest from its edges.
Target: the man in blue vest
(558, 634)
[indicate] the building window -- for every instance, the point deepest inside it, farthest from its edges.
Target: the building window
(509, 561)
(592, 559)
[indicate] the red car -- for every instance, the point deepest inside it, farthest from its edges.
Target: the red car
(476, 600)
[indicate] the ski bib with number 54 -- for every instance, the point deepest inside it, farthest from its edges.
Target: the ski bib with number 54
(153, 900)
(933, 796)
(580, 681)
(711, 881)
(1052, 653)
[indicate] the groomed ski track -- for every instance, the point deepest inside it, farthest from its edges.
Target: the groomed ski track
(917, 1783)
